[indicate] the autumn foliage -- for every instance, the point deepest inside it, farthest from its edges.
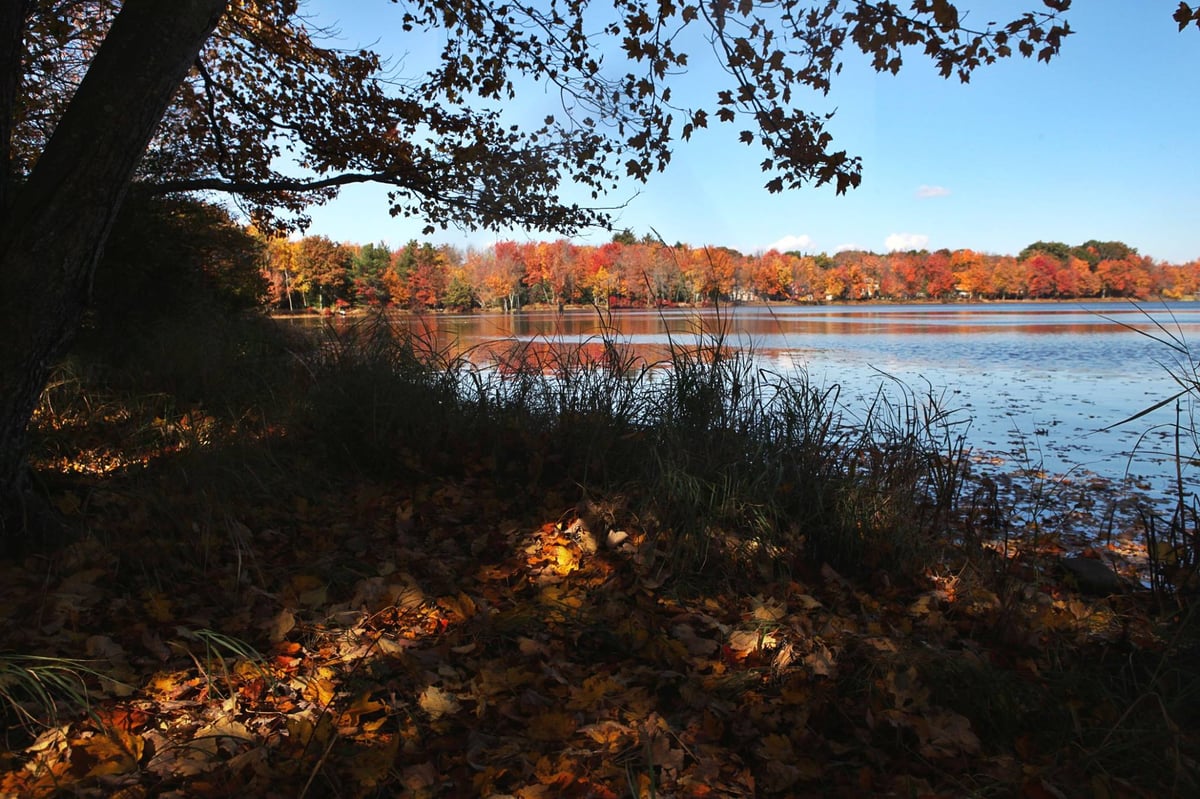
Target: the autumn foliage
(509, 275)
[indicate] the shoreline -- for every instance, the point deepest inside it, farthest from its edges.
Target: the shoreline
(359, 311)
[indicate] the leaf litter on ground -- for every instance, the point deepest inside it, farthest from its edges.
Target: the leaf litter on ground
(449, 636)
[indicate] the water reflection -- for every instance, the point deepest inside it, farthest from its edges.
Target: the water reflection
(758, 322)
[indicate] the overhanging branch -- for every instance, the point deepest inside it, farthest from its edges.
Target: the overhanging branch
(269, 186)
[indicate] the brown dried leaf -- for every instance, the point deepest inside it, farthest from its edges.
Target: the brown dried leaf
(113, 751)
(458, 608)
(821, 661)
(768, 609)
(696, 645)
(950, 734)
(553, 725)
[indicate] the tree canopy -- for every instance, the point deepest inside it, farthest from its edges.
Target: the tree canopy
(275, 114)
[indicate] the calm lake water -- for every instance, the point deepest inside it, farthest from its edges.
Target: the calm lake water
(1038, 382)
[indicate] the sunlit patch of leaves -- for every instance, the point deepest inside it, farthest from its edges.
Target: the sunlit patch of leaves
(523, 659)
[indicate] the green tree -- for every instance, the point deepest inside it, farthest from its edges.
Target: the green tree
(1094, 251)
(206, 95)
(1055, 249)
(459, 294)
(368, 266)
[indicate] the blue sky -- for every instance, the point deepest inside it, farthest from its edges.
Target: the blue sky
(1103, 143)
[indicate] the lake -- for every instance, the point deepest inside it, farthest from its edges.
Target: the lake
(1038, 382)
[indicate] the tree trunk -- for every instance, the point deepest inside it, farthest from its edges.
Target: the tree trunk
(54, 231)
(13, 14)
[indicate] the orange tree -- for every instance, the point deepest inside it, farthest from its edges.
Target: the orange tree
(210, 95)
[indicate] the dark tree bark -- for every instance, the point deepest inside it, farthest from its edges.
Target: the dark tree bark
(13, 15)
(54, 229)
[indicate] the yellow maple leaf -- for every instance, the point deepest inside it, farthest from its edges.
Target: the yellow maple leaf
(364, 705)
(608, 733)
(565, 560)
(319, 691)
(438, 703)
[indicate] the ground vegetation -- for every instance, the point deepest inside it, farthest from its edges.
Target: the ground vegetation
(375, 568)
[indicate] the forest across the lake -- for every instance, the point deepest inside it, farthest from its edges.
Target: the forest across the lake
(315, 272)
(168, 251)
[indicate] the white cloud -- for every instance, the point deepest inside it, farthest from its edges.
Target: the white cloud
(844, 247)
(792, 242)
(925, 192)
(906, 241)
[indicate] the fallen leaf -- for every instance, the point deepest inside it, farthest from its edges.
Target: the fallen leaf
(776, 747)
(459, 608)
(280, 625)
(593, 691)
(113, 751)
(768, 609)
(223, 734)
(950, 734)
(696, 645)
(438, 703)
(807, 602)
(553, 725)
(821, 661)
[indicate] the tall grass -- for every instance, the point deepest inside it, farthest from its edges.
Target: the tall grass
(731, 467)
(1173, 542)
(36, 690)
(375, 397)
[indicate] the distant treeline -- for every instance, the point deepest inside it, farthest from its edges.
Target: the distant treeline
(315, 272)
